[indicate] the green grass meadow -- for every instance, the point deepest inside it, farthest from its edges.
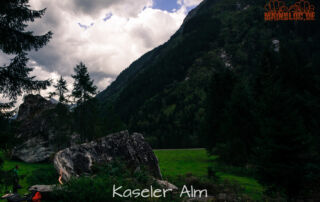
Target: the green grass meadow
(196, 161)
(25, 170)
(173, 163)
(179, 162)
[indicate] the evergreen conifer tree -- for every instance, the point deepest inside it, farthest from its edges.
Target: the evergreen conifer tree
(14, 78)
(61, 89)
(83, 85)
(85, 112)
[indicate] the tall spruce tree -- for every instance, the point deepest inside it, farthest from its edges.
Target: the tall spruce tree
(85, 112)
(83, 85)
(61, 89)
(14, 78)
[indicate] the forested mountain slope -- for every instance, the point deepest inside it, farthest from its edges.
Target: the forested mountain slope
(164, 94)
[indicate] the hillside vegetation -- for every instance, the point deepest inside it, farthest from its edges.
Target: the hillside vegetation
(246, 89)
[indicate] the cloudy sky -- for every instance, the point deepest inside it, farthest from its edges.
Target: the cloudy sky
(107, 35)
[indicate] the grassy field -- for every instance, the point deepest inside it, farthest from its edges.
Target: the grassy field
(25, 170)
(179, 162)
(172, 164)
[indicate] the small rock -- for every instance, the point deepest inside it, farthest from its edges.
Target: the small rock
(166, 185)
(43, 188)
(276, 45)
(222, 196)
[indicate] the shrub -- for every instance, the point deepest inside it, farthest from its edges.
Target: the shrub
(43, 176)
(99, 186)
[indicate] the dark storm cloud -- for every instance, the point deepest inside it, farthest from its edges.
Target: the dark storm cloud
(98, 76)
(145, 34)
(47, 57)
(92, 7)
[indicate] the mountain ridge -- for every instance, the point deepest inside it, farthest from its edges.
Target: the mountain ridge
(173, 77)
(164, 94)
(136, 67)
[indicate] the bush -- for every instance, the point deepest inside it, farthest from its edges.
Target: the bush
(214, 186)
(6, 178)
(43, 176)
(99, 186)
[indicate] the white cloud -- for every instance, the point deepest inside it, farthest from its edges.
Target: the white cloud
(189, 3)
(106, 46)
(104, 82)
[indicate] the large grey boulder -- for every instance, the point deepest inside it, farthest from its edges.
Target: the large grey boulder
(132, 149)
(34, 150)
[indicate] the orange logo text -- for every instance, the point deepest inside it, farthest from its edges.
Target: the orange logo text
(277, 10)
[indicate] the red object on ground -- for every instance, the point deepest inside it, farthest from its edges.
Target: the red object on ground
(37, 197)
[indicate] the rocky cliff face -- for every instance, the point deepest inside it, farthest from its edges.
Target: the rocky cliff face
(37, 130)
(132, 149)
(33, 107)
